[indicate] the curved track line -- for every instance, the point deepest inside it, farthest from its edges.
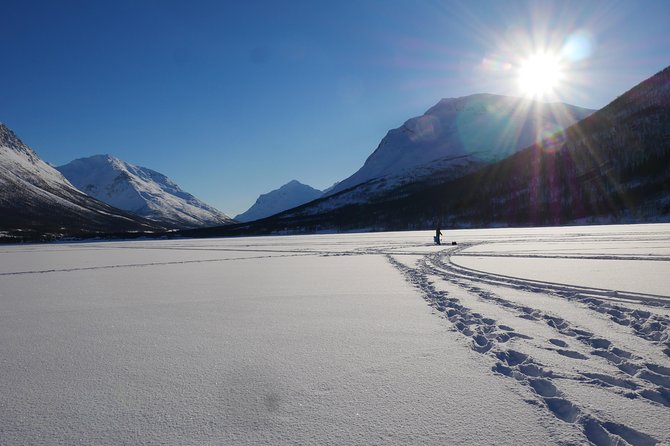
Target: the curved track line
(443, 260)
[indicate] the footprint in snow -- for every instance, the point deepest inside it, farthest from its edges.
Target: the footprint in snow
(571, 354)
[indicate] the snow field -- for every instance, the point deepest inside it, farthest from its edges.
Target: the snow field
(285, 347)
(327, 339)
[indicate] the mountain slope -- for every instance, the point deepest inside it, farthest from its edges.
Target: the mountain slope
(288, 196)
(35, 198)
(460, 135)
(141, 191)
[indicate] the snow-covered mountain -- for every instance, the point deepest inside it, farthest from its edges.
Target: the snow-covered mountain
(141, 191)
(34, 196)
(288, 196)
(460, 135)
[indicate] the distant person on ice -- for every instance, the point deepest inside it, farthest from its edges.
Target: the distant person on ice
(438, 233)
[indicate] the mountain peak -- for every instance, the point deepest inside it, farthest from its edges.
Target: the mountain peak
(141, 191)
(471, 97)
(292, 194)
(493, 100)
(9, 139)
(293, 184)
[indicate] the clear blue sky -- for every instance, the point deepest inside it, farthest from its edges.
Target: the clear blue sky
(232, 99)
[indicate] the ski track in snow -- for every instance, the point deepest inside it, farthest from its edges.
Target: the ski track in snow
(142, 265)
(639, 378)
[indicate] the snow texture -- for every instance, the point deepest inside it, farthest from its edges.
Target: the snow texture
(141, 191)
(290, 195)
(461, 134)
(339, 339)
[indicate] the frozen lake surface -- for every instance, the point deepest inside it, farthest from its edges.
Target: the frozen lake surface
(513, 336)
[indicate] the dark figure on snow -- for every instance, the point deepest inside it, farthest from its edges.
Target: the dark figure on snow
(438, 233)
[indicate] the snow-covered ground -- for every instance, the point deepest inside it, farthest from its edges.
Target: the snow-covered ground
(513, 336)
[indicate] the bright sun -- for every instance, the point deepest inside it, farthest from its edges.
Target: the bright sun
(540, 75)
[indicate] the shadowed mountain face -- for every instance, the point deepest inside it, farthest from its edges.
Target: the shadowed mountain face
(142, 191)
(36, 199)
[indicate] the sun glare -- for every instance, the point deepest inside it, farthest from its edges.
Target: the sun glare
(539, 75)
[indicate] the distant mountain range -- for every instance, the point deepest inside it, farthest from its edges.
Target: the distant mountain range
(613, 166)
(453, 138)
(36, 201)
(480, 160)
(290, 195)
(142, 191)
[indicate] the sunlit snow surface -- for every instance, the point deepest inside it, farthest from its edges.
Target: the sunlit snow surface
(513, 336)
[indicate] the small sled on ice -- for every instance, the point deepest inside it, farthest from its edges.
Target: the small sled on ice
(437, 241)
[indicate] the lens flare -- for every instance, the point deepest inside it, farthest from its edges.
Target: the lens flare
(578, 46)
(551, 138)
